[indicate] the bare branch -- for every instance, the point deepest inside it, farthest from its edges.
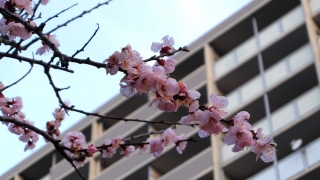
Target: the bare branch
(82, 49)
(1, 90)
(57, 15)
(39, 62)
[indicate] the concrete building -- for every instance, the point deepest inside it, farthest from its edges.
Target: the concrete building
(265, 58)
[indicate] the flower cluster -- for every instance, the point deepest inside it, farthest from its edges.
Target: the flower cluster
(52, 127)
(170, 95)
(75, 144)
(168, 136)
(12, 108)
(12, 29)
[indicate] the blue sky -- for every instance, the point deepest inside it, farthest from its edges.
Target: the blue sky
(134, 22)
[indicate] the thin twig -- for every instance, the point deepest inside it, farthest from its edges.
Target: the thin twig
(82, 49)
(57, 15)
(185, 48)
(35, 9)
(1, 90)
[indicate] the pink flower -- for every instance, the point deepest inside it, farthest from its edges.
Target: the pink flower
(14, 30)
(156, 147)
(167, 88)
(46, 48)
(146, 82)
(1, 86)
(181, 145)
(113, 63)
(264, 147)
(168, 65)
(59, 114)
(109, 151)
(239, 133)
(15, 129)
(190, 118)
(74, 140)
(129, 58)
(116, 141)
(127, 150)
(23, 4)
(209, 123)
(165, 105)
(168, 136)
(165, 46)
(144, 147)
(44, 2)
(17, 104)
(219, 103)
(78, 163)
(127, 90)
(30, 145)
(91, 150)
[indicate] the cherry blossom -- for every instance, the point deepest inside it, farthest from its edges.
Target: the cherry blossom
(44, 2)
(156, 147)
(264, 147)
(209, 123)
(219, 103)
(127, 150)
(168, 136)
(91, 150)
(165, 46)
(181, 145)
(46, 48)
(239, 134)
(23, 4)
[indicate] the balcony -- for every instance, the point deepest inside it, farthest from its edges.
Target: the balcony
(302, 160)
(267, 36)
(274, 75)
(301, 113)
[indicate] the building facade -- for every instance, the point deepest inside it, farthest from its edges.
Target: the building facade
(265, 59)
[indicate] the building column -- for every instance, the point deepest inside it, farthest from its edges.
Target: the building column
(209, 56)
(95, 132)
(313, 34)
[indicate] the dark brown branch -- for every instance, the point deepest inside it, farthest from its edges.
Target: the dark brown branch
(1, 90)
(38, 62)
(82, 49)
(6, 41)
(79, 16)
(55, 142)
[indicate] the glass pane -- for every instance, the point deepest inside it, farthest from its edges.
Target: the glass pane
(246, 49)
(263, 123)
(309, 100)
(276, 72)
(224, 64)
(282, 116)
(268, 173)
(312, 152)
(292, 18)
(300, 57)
(291, 165)
(314, 5)
(269, 34)
(251, 88)
(233, 99)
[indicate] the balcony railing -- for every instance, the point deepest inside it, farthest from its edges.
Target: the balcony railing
(294, 163)
(289, 65)
(282, 117)
(241, 53)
